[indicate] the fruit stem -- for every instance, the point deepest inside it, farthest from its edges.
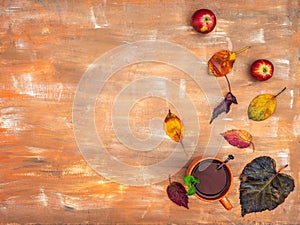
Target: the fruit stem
(280, 92)
(242, 50)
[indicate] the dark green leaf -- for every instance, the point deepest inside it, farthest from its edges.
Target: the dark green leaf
(262, 187)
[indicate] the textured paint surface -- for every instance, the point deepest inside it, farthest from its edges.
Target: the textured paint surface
(46, 46)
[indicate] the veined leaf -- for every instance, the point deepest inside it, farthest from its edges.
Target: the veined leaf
(177, 193)
(238, 138)
(262, 106)
(221, 63)
(262, 187)
(173, 127)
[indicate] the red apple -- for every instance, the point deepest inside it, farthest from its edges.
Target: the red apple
(204, 21)
(262, 69)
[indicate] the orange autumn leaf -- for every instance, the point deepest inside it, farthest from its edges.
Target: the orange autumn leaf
(221, 63)
(173, 127)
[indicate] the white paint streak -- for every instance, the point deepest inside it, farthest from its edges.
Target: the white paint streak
(182, 88)
(23, 83)
(230, 46)
(283, 68)
(71, 202)
(60, 91)
(98, 17)
(10, 119)
(61, 199)
(103, 182)
(51, 91)
(13, 9)
(274, 125)
(284, 157)
(258, 36)
(31, 174)
(35, 150)
(296, 125)
(20, 44)
(93, 19)
(42, 197)
(78, 170)
(292, 98)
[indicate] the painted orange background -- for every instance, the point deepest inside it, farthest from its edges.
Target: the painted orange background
(45, 48)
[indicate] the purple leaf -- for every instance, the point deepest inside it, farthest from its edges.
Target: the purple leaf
(177, 194)
(224, 106)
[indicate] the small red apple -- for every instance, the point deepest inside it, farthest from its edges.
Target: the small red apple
(204, 21)
(262, 69)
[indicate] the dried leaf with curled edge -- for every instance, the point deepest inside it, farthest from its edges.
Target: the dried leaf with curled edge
(177, 193)
(262, 187)
(262, 106)
(221, 63)
(238, 138)
(223, 106)
(173, 127)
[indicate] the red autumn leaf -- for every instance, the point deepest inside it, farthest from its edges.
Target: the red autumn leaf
(238, 138)
(177, 194)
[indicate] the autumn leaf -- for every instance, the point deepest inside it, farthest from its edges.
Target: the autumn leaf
(221, 63)
(173, 127)
(238, 138)
(262, 187)
(177, 193)
(224, 106)
(262, 106)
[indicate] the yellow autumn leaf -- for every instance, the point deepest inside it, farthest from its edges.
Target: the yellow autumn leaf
(173, 127)
(262, 106)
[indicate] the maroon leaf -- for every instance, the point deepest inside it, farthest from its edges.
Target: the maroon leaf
(177, 194)
(224, 106)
